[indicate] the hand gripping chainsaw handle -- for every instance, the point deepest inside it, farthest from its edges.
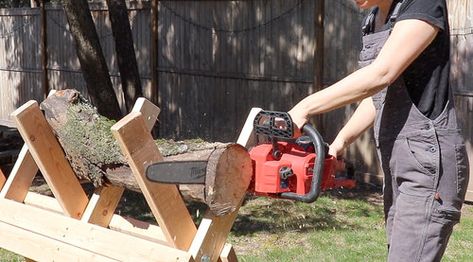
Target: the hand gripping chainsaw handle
(279, 125)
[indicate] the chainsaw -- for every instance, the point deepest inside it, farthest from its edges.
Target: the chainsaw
(284, 166)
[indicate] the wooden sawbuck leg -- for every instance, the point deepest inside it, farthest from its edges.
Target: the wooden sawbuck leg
(208, 242)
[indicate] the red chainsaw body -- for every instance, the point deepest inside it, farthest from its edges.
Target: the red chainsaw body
(267, 178)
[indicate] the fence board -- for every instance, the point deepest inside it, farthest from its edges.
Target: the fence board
(461, 23)
(217, 59)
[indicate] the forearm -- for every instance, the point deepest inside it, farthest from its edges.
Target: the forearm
(355, 87)
(360, 121)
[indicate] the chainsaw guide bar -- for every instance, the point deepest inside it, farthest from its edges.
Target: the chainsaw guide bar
(177, 172)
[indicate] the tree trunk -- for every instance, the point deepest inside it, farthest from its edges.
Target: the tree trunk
(95, 155)
(127, 65)
(35, 3)
(91, 58)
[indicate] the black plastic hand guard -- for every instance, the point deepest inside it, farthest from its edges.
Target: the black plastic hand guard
(274, 124)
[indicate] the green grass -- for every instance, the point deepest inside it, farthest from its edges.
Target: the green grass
(331, 229)
(10, 257)
(461, 243)
(337, 227)
(341, 226)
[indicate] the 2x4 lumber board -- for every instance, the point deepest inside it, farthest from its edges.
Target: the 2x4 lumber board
(164, 200)
(42, 248)
(247, 137)
(149, 111)
(86, 236)
(138, 228)
(50, 158)
(117, 223)
(21, 176)
(102, 205)
(228, 254)
(126, 225)
(211, 236)
(150, 114)
(203, 244)
(210, 239)
(42, 201)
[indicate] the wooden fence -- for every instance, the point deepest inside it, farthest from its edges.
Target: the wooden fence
(212, 68)
(461, 24)
(216, 60)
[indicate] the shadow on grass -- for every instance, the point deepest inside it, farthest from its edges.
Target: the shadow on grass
(334, 210)
(134, 204)
(280, 217)
(259, 214)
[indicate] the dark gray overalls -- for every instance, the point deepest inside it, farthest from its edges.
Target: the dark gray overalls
(424, 163)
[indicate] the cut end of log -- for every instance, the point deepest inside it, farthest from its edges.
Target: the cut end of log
(229, 173)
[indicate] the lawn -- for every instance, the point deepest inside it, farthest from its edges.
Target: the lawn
(339, 226)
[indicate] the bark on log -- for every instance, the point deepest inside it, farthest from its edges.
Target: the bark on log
(95, 155)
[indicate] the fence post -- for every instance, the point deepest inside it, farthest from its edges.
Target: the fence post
(319, 13)
(44, 50)
(154, 90)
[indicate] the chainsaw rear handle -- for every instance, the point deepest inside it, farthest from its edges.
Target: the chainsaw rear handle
(318, 169)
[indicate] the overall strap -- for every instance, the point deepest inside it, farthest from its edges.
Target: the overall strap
(395, 13)
(369, 23)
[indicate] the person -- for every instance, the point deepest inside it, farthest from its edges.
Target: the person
(403, 86)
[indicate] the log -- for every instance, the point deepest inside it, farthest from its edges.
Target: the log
(228, 174)
(95, 156)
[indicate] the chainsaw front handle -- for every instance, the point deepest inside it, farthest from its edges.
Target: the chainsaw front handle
(319, 147)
